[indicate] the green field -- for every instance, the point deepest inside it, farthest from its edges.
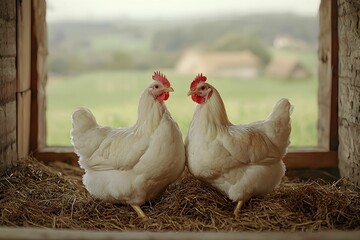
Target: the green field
(113, 98)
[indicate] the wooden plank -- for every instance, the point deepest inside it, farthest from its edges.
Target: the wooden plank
(8, 154)
(334, 135)
(320, 159)
(64, 154)
(8, 151)
(349, 90)
(38, 73)
(34, 122)
(23, 45)
(7, 28)
(296, 158)
(23, 76)
(53, 234)
(328, 75)
(7, 78)
(23, 123)
(41, 36)
(324, 92)
(4, 121)
(7, 124)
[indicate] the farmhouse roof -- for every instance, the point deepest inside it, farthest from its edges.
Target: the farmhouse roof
(284, 67)
(213, 61)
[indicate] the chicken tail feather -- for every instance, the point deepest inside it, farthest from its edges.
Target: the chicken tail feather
(278, 124)
(83, 119)
(282, 109)
(82, 134)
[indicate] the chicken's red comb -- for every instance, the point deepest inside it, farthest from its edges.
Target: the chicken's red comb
(199, 78)
(161, 77)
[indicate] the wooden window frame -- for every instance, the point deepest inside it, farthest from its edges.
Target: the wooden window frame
(324, 156)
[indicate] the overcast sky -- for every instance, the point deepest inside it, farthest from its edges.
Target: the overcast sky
(59, 10)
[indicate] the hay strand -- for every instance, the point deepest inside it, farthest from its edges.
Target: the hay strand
(32, 194)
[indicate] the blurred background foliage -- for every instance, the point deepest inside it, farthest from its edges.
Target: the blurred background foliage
(135, 44)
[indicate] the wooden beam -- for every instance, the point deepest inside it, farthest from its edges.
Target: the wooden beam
(38, 75)
(296, 158)
(334, 111)
(54, 234)
(8, 149)
(34, 118)
(313, 159)
(349, 90)
(328, 76)
(50, 154)
(23, 123)
(8, 88)
(23, 47)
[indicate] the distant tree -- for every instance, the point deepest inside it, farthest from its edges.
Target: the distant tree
(169, 40)
(121, 60)
(156, 60)
(65, 63)
(236, 42)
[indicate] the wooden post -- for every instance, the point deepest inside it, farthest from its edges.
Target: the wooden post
(349, 90)
(38, 75)
(8, 152)
(23, 76)
(328, 76)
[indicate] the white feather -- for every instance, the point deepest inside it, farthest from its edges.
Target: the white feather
(239, 160)
(129, 165)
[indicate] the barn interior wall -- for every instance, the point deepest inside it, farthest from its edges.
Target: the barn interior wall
(349, 89)
(8, 149)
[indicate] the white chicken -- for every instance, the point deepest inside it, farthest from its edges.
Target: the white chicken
(242, 160)
(131, 165)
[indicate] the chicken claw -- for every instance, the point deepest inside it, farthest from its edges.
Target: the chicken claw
(238, 207)
(139, 211)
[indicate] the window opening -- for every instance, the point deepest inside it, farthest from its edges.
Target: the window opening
(103, 59)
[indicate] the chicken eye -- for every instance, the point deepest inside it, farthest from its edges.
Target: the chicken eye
(156, 86)
(202, 88)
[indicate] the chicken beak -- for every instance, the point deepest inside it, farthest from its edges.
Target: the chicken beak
(190, 93)
(170, 89)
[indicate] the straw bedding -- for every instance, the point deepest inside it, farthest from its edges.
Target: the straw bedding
(32, 194)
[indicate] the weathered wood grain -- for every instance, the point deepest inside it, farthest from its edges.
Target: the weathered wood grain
(349, 90)
(38, 233)
(328, 75)
(23, 123)
(24, 45)
(8, 151)
(23, 76)
(7, 79)
(38, 76)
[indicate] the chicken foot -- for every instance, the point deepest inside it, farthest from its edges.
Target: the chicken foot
(238, 207)
(139, 211)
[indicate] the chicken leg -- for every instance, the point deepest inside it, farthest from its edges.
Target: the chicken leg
(238, 207)
(139, 211)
